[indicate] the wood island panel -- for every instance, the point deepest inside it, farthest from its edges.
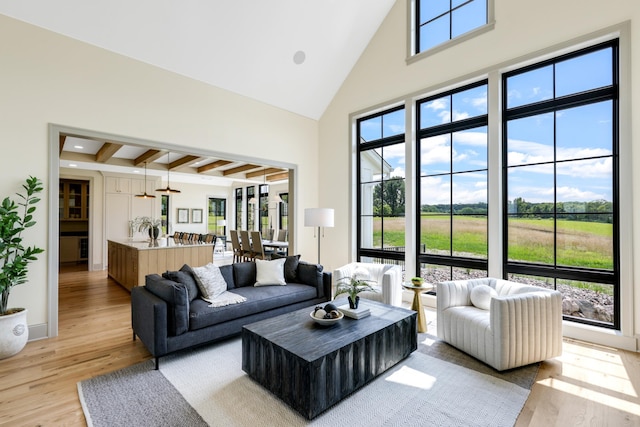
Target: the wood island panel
(129, 262)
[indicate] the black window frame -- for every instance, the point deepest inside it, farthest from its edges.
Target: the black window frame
(251, 220)
(556, 104)
(392, 257)
(283, 211)
(239, 193)
(263, 207)
(451, 260)
(419, 25)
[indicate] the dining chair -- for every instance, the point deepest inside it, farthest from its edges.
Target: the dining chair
(257, 249)
(235, 244)
(282, 235)
(245, 245)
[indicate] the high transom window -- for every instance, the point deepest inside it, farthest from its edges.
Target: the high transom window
(561, 180)
(438, 21)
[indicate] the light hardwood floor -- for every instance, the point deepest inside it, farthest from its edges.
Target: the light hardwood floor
(588, 385)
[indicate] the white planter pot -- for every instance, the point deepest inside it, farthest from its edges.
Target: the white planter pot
(14, 333)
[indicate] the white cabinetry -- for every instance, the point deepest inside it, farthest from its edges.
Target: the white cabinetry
(116, 184)
(121, 205)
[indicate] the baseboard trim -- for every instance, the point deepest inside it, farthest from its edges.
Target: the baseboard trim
(38, 332)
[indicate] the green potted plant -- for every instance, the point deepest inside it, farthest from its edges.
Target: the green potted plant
(145, 223)
(15, 217)
(352, 286)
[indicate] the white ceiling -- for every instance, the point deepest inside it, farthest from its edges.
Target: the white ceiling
(244, 46)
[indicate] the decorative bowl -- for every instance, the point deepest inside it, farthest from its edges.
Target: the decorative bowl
(417, 281)
(326, 322)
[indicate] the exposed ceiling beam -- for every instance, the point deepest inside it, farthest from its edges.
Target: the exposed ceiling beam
(148, 157)
(263, 172)
(239, 169)
(107, 151)
(278, 176)
(63, 138)
(214, 165)
(183, 161)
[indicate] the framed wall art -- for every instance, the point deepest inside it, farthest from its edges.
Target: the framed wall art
(183, 216)
(196, 216)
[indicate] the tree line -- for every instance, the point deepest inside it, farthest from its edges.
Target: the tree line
(389, 201)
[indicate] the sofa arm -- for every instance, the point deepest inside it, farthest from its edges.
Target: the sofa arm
(149, 320)
(527, 327)
(326, 285)
(392, 286)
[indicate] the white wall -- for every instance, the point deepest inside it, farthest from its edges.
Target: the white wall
(47, 78)
(382, 77)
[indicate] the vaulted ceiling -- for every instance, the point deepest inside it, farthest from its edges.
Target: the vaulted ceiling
(293, 54)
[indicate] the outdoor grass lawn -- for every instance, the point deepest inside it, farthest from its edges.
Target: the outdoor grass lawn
(579, 243)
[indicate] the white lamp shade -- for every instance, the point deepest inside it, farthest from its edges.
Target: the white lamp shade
(222, 222)
(318, 217)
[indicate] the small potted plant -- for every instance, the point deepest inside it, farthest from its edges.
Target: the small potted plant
(352, 286)
(151, 225)
(14, 260)
(417, 281)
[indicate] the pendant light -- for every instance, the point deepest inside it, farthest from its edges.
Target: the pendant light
(145, 195)
(168, 190)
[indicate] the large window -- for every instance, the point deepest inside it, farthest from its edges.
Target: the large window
(283, 211)
(238, 209)
(381, 190)
(217, 216)
(164, 213)
(452, 188)
(251, 208)
(561, 180)
(438, 21)
(263, 211)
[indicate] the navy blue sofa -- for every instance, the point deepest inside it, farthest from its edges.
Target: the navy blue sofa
(168, 315)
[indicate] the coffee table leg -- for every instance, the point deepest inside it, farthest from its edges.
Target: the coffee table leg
(417, 307)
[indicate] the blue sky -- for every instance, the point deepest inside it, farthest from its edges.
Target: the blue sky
(583, 137)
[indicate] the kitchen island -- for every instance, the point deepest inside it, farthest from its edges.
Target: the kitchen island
(131, 260)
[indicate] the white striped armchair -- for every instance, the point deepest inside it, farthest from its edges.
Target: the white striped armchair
(518, 325)
(386, 279)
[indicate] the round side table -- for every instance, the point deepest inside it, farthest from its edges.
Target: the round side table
(417, 303)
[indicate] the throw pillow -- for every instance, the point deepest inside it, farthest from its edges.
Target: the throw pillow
(311, 274)
(481, 296)
(186, 278)
(361, 273)
(270, 272)
(290, 266)
(210, 281)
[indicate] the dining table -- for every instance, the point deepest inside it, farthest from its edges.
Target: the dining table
(276, 245)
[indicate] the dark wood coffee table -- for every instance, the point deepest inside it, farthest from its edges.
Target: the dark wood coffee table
(311, 367)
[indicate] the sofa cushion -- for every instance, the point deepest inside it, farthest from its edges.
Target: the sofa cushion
(227, 273)
(210, 281)
(259, 299)
(290, 266)
(244, 274)
(186, 278)
(270, 272)
(177, 299)
(481, 296)
(311, 274)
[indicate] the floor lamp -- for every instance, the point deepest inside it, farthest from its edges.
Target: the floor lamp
(318, 217)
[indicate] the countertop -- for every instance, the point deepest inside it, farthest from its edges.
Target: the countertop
(161, 243)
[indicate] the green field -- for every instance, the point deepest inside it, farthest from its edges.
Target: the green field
(579, 243)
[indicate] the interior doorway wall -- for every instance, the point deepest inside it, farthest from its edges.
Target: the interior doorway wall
(57, 133)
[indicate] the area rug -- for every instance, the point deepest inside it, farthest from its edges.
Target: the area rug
(437, 385)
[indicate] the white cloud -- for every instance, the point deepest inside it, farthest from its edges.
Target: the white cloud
(572, 194)
(398, 173)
